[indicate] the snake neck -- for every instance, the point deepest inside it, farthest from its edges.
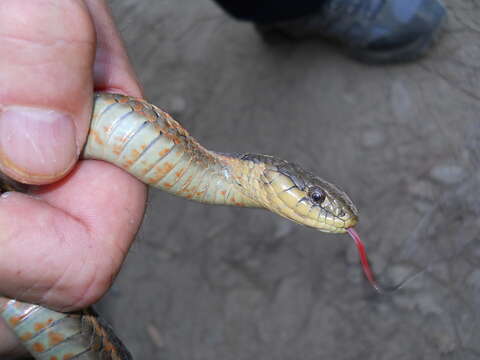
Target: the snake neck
(149, 144)
(247, 175)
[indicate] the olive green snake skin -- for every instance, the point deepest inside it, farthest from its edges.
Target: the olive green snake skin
(145, 141)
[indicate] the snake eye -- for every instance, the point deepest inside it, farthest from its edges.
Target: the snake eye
(317, 196)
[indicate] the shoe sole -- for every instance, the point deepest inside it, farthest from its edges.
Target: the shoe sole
(408, 53)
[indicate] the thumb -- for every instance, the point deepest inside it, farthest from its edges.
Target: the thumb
(47, 48)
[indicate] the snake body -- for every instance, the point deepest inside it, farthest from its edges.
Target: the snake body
(145, 141)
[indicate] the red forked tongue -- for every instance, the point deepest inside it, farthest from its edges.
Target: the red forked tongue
(366, 266)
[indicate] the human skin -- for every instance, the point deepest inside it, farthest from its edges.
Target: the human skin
(62, 246)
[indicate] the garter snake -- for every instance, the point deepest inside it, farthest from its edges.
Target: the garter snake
(145, 141)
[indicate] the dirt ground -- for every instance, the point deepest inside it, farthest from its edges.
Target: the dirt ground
(205, 282)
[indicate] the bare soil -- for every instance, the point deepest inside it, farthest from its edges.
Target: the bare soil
(217, 283)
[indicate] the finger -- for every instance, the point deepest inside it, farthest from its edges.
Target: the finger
(46, 84)
(113, 71)
(67, 245)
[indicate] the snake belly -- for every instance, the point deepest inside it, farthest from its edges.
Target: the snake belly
(145, 141)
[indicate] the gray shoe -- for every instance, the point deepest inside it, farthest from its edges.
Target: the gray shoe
(372, 31)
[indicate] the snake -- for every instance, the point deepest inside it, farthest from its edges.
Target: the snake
(149, 144)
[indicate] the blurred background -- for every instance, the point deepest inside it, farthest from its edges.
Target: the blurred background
(204, 282)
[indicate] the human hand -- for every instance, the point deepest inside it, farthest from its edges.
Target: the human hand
(63, 246)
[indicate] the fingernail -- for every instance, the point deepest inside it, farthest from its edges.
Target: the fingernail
(36, 143)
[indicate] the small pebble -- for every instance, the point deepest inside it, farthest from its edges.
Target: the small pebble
(448, 174)
(176, 105)
(355, 275)
(373, 138)
(402, 272)
(421, 189)
(474, 279)
(6, 194)
(423, 207)
(164, 254)
(469, 54)
(401, 101)
(155, 336)
(282, 228)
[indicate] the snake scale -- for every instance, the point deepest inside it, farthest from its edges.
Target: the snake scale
(145, 141)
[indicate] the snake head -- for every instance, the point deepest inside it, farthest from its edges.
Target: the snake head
(300, 196)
